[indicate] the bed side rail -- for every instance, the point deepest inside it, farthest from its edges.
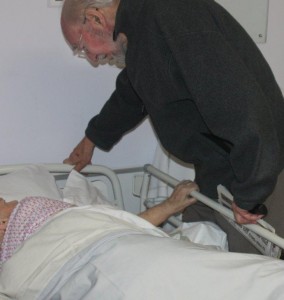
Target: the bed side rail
(257, 228)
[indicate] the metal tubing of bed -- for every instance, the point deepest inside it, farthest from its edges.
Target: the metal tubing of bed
(90, 169)
(96, 169)
(277, 240)
(144, 190)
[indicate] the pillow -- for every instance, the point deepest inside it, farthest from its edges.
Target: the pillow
(31, 180)
(79, 190)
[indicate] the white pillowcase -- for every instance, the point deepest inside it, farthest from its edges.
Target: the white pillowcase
(80, 191)
(32, 180)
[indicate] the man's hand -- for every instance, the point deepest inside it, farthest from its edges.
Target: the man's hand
(243, 216)
(81, 156)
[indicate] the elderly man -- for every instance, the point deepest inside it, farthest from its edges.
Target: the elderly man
(209, 93)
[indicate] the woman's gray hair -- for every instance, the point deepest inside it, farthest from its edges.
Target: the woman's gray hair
(73, 10)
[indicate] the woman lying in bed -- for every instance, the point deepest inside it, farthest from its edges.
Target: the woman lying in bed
(19, 220)
(100, 252)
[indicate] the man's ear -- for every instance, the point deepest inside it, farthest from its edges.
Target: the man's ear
(95, 17)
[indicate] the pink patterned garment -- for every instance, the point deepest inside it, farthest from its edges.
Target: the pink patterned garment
(26, 218)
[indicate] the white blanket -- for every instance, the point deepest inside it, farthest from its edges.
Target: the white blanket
(107, 254)
(61, 239)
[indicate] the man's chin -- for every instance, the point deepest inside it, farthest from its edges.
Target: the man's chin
(112, 61)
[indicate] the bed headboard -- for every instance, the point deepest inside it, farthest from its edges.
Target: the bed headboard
(94, 172)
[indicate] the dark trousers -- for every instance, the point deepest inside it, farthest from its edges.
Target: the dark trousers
(237, 242)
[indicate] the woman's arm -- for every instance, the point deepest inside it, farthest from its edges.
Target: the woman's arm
(177, 202)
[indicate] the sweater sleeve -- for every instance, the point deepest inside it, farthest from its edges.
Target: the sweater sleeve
(235, 108)
(121, 113)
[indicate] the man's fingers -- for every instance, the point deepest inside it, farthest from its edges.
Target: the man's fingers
(79, 166)
(71, 161)
(67, 161)
(251, 218)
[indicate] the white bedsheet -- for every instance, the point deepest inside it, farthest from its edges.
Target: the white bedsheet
(107, 254)
(143, 267)
(61, 239)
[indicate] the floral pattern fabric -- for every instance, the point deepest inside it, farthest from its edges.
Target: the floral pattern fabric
(26, 218)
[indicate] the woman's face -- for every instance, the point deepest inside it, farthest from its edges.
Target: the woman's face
(6, 209)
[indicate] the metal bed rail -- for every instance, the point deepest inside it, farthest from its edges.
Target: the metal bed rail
(171, 181)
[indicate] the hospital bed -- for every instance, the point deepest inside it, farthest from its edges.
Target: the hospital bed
(137, 261)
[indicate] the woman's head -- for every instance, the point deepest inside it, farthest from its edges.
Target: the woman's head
(6, 209)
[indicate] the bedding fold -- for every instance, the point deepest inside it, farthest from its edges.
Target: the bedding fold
(63, 237)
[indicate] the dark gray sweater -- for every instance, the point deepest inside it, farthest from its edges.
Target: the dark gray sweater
(209, 93)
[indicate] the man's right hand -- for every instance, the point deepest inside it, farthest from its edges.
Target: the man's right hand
(82, 154)
(243, 216)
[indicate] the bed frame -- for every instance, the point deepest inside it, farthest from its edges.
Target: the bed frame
(262, 228)
(60, 171)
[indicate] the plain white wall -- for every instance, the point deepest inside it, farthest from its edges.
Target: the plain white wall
(47, 96)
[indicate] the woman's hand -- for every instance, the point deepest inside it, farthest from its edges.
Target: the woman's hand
(181, 198)
(177, 202)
